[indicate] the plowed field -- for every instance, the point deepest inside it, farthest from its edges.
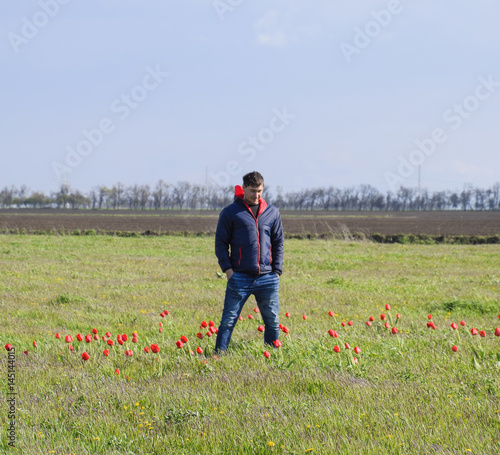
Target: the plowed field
(314, 223)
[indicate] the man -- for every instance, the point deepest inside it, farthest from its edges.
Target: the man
(249, 247)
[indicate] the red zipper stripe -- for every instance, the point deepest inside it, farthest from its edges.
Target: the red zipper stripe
(262, 206)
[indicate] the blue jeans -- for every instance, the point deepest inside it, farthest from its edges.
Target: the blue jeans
(239, 288)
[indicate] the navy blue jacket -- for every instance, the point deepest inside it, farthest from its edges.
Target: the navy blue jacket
(248, 244)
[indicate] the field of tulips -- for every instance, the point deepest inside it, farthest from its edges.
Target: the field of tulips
(107, 347)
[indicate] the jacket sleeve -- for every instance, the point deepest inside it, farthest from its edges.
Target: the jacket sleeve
(277, 249)
(223, 240)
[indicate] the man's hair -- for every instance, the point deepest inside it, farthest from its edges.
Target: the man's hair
(253, 179)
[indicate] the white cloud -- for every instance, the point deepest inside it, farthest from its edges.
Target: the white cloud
(463, 168)
(269, 33)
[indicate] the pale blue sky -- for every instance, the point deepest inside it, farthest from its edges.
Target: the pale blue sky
(353, 115)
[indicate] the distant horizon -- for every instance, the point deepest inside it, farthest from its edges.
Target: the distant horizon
(269, 187)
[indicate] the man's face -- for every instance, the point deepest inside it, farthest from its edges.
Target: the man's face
(252, 194)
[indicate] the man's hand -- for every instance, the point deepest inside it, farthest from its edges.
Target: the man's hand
(229, 273)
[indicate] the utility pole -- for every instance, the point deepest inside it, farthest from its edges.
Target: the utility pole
(419, 201)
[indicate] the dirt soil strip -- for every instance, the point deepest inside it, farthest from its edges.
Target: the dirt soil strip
(315, 223)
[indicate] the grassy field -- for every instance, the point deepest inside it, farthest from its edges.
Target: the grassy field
(406, 393)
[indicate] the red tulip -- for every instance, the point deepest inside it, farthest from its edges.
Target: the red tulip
(398, 315)
(203, 324)
(350, 323)
(146, 349)
(162, 315)
(267, 354)
(429, 324)
(25, 352)
(382, 317)
(343, 324)
(135, 339)
(94, 331)
(387, 307)
(347, 346)
(108, 334)
(199, 350)
(88, 338)
(454, 326)
(304, 317)
(85, 356)
(34, 344)
(124, 337)
(209, 334)
(256, 310)
(110, 342)
(211, 323)
(166, 313)
(160, 324)
(79, 337)
(429, 316)
(434, 327)
(179, 344)
(69, 338)
(129, 353)
(277, 343)
(482, 333)
(199, 335)
(336, 348)
(371, 318)
(368, 323)
(213, 329)
(394, 330)
(240, 317)
(105, 352)
(117, 371)
(462, 323)
(454, 348)
(58, 335)
(260, 328)
(8, 347)
(386, 325)
(250, 316)
(357, 350)
(285, 329)
(331, 313)
(355, 360)
(160, 330)
(155, 348)
(474, 331)
(71, 348)
(287, 315)
(497, 332)
(332, 333)
(104, 338)
(96, 337)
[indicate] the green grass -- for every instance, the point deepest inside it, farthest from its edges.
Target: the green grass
(408, 393)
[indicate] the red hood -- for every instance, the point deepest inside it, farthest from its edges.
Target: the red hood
(238, 192)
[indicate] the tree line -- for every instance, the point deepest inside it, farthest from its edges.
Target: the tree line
(184, 195)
